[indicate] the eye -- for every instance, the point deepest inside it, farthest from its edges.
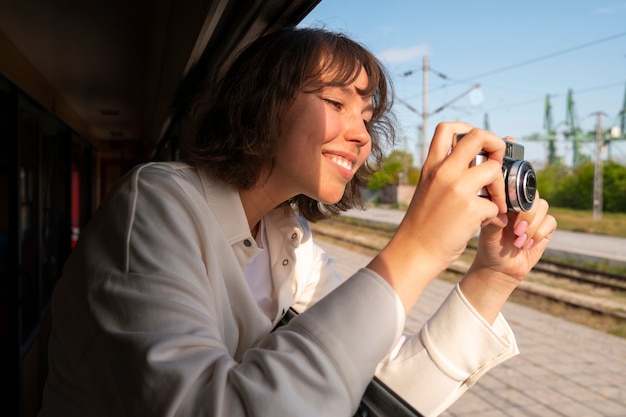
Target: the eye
(367, 118)
(337, 105)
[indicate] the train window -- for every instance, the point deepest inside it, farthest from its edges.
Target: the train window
(28, 220)
(54, 211)
(82, 179)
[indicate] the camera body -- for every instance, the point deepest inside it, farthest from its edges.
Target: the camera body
(520, 180)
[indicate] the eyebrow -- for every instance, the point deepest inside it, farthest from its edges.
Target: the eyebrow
(352, 92)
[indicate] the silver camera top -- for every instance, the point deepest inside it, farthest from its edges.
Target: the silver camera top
(514, 150)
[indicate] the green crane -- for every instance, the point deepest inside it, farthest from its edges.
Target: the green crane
(550, 135)
(573, 132)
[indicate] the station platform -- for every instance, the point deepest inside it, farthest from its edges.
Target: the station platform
(564, 369)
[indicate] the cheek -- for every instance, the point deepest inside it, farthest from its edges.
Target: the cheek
(365, 152)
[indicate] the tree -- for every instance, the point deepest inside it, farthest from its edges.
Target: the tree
(392, 167)
(549, 180)
(614, 196)
(573, 188)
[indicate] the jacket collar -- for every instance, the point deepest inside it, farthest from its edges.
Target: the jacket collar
(225, 202)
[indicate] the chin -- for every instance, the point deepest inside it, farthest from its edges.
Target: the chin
(330, 200)
(329, 196)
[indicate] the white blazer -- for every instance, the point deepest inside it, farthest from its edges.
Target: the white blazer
(153, 317)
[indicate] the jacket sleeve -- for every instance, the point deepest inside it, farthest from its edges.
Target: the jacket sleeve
(455, 347)
(146, 323)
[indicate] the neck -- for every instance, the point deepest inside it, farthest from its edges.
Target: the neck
(257, 202)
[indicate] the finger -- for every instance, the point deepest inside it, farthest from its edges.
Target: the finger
(532, 217)
(536, 224)
(542, 224)
(479, 141)
(488, 175)
(496, 224)
(489, 212)
(495, 187)
(546, 229)
(444, 139)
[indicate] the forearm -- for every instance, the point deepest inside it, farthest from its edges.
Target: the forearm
(336, 344)
(451, 352)
(408, 269)
(487, 291)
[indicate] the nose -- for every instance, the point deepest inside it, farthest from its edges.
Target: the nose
(357, 131)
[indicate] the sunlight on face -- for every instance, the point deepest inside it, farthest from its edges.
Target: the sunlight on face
(324, 141)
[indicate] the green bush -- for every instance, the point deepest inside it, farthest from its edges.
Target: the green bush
(614, 188)
(390, 169)
(573, 188)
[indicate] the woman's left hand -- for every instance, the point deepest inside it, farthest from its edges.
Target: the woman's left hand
(513, 243)
(508, 248)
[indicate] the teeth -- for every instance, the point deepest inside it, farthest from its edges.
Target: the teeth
(341, 162)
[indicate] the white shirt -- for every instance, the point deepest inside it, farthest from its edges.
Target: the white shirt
(259, 275)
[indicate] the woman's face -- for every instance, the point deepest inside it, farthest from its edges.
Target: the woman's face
(323, 141)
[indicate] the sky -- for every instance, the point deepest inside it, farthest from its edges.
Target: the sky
(518, 53)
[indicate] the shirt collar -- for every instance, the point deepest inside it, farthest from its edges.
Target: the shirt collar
(225, 202)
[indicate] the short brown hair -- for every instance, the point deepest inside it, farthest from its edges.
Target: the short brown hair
(238, 135)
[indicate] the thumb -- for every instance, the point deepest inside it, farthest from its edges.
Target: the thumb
(495, 225)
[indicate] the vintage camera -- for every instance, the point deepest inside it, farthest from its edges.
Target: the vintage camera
(520, 181)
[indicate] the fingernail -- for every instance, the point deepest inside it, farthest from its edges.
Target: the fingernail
(519, 242)
(520, 229)
(529, 244)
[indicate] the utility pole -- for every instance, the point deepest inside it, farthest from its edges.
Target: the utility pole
(424, 113)
(598, 183)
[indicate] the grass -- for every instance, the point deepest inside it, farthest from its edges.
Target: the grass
(612, 224)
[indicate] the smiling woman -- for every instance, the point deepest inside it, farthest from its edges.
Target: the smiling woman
(181, 277)
(238, 139)
(324, 142)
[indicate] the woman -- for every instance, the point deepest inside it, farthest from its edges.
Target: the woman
(168, 303)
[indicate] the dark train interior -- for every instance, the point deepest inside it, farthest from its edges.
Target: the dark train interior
(89, 89)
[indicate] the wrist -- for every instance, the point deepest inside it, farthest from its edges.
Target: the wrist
(487, 290)
(407, 268)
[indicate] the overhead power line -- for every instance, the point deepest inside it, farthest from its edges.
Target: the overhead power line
(541, 58)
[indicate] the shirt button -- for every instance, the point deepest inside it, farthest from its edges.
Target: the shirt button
(285, 262)
(247, 243)
(294, 236)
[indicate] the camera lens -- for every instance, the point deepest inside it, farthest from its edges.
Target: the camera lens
(529, 184)
(521, 184)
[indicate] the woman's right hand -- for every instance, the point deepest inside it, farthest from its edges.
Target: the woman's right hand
(446, 210)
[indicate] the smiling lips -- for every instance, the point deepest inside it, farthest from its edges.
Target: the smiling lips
(344, 161)
(341, 162)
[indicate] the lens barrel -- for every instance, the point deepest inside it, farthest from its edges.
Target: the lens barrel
(521, 184)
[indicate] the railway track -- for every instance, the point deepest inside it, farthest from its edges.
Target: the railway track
(596, 291)
(563, 270)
